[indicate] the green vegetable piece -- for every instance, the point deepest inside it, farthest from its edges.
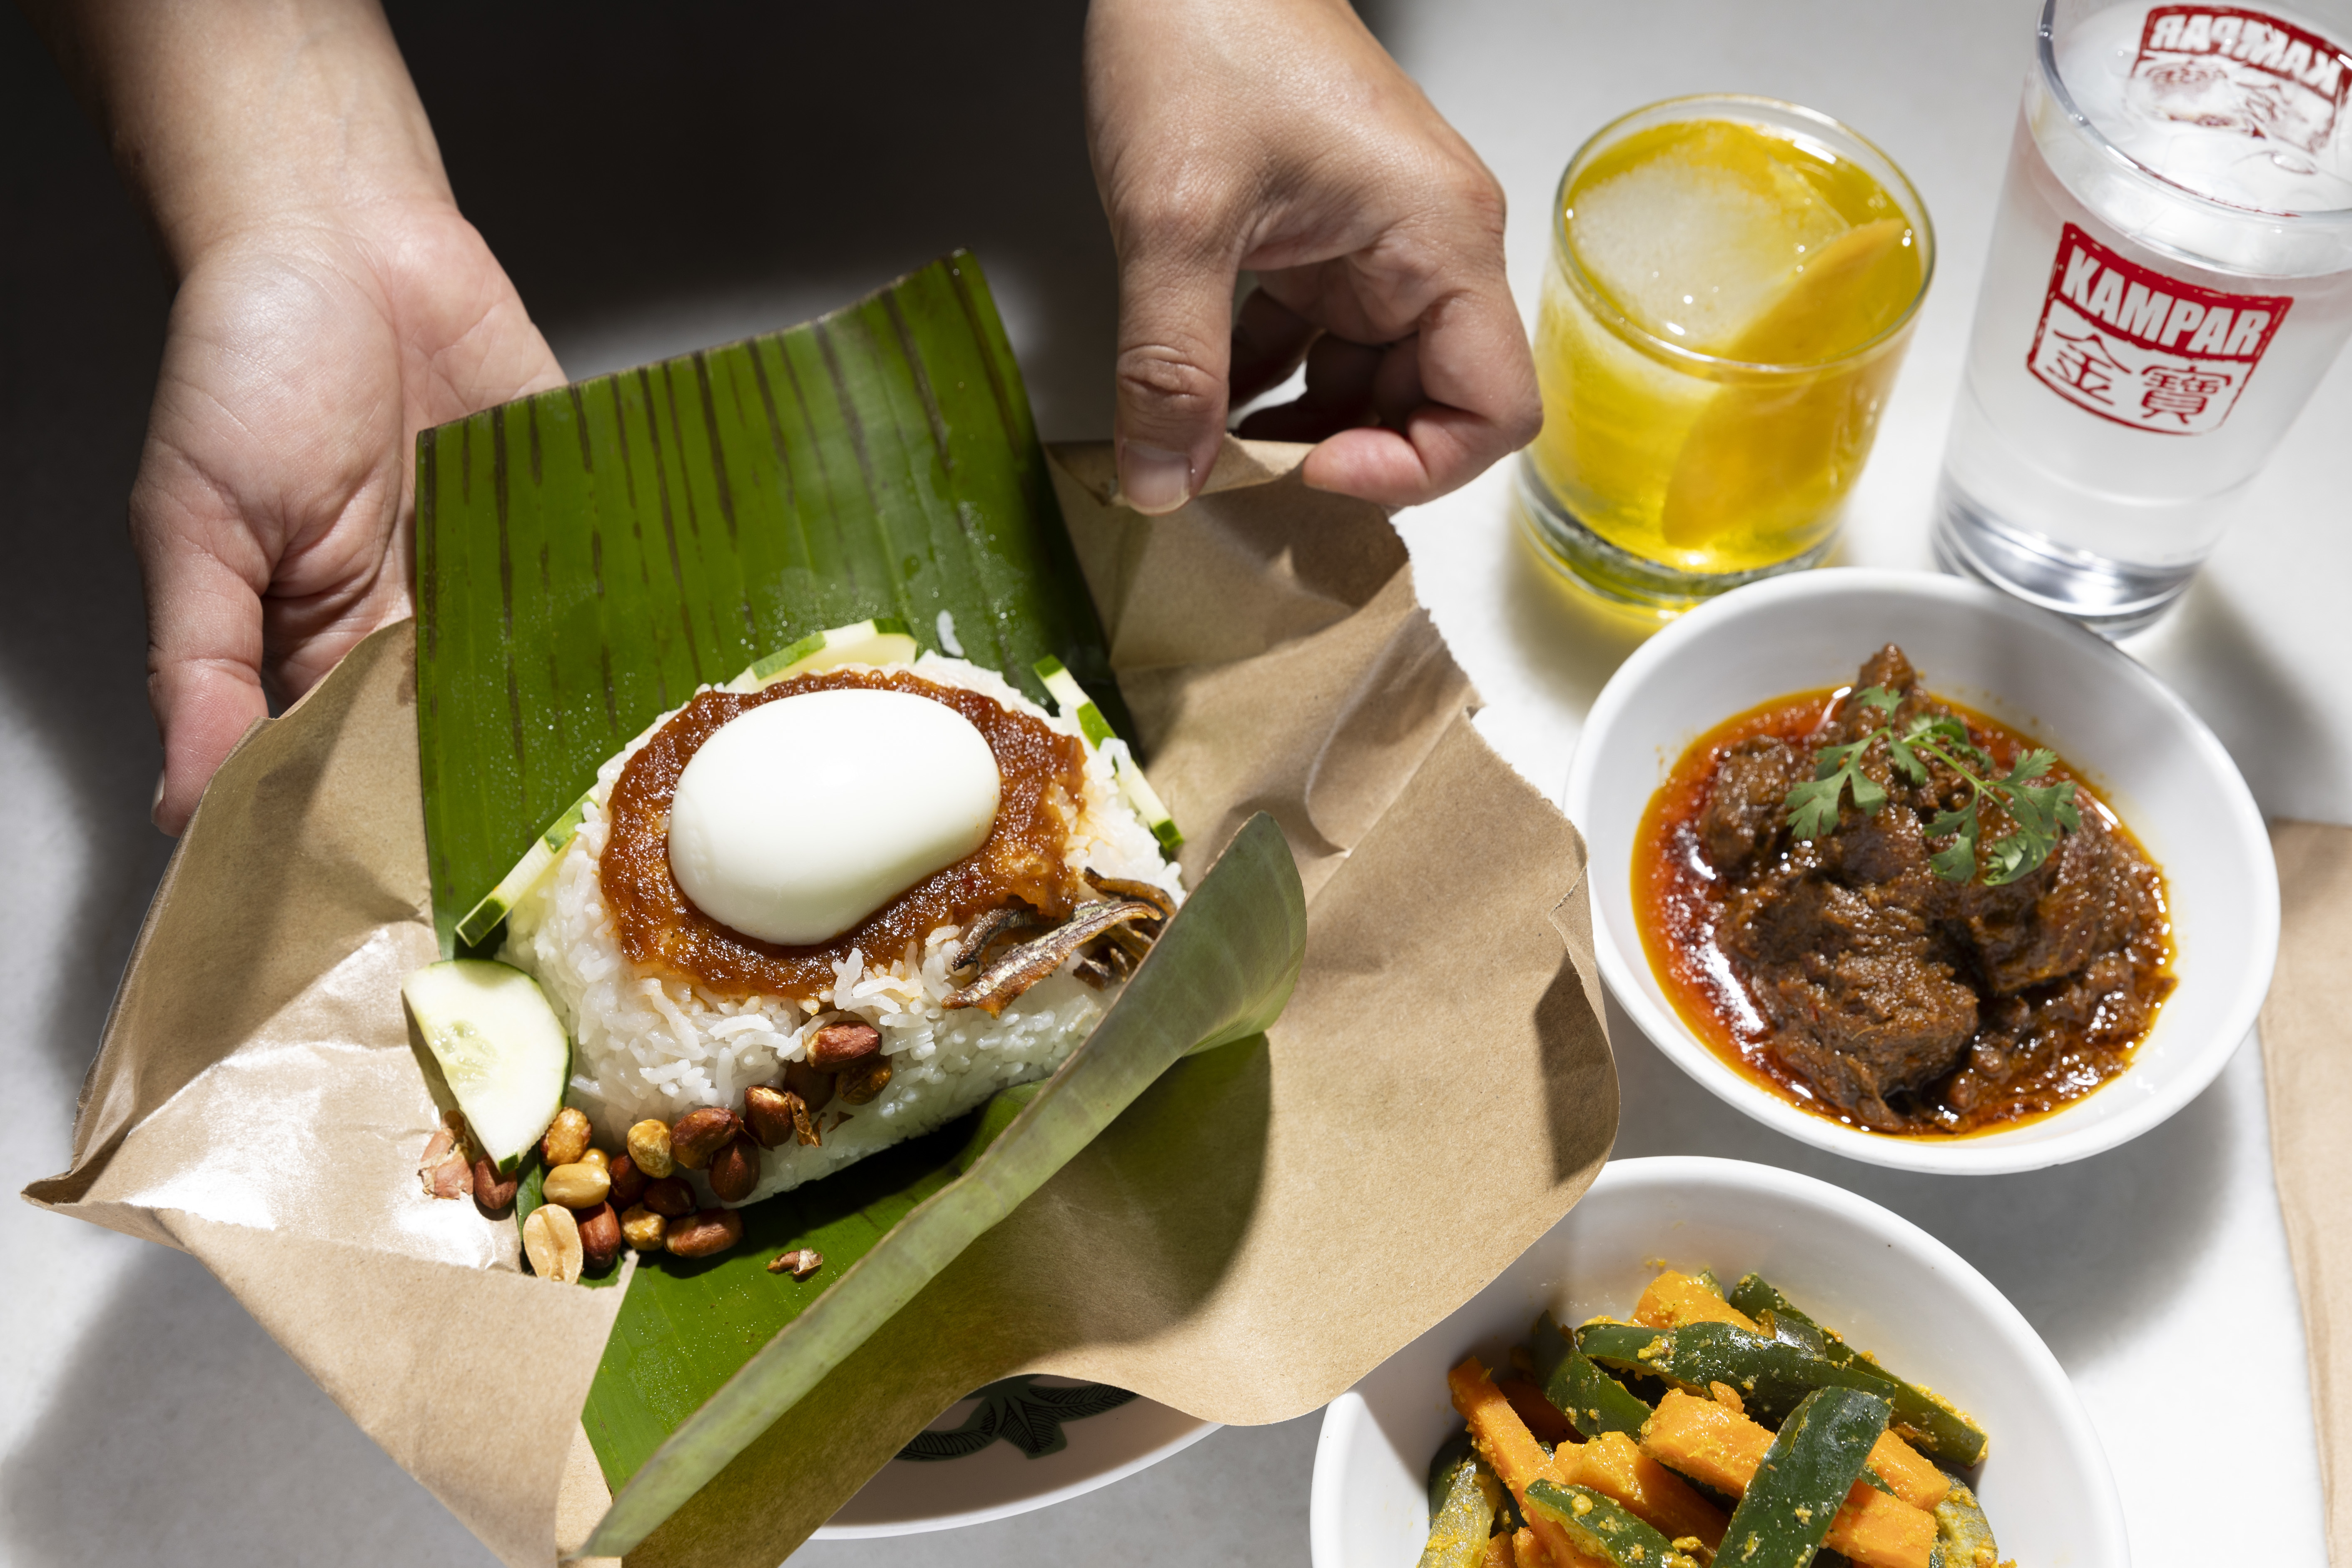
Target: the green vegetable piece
(1927, 1420)
(502, 1050)
(1071, 701)
(1463, 1497)
(1597, 1525)
(1593, 1401)
(1706, 1278)
(1963, 1534)
(1786, 1512)
(2039, 814)
(1773, 1375)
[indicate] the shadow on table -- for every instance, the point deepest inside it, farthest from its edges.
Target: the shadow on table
(180, 1435)
(2080, 1249)
(657, 180)
(81, 316)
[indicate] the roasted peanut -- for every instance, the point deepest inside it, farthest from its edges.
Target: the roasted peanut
(577, 1187)
(862, 1080)
(493, 1194)
(628, 1181)
(551, 1239)
(600, 1235)
(598, 1158)
(836, 1046)
(814, 1088)
(704, 1235)
(566, 1138)
(669, 1197)
(649, 1147)
(699, 1134)
(735, 1170)
(768, 1114)
(800, 1264)
(644, 1230)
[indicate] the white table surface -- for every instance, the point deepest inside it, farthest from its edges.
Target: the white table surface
(145, 1418)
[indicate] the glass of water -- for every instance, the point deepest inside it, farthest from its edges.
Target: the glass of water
(2170, 276)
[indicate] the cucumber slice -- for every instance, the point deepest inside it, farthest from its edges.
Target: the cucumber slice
(1796, 1492)
(500, 1046)
(1593, 1401)
(1948, 1434)
(1600, 1528)
(1464, 1495)
(1963, 1534)
(1071, 700)
(537, 862)
(883, 640)
(1772, 1376)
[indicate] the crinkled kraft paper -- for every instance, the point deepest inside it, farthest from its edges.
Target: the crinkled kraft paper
(2307, 1063)
(1254, 1235)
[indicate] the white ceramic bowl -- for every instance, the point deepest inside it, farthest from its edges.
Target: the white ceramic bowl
(2141, 747)
(1888, 1285)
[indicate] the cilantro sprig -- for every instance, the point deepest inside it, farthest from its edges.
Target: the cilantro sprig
(2038, 813)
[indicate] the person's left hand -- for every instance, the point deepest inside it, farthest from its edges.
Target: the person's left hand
(1276, 136)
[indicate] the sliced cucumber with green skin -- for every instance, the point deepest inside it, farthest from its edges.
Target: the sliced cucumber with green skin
(1463, 1497)
(1597, 1525)
(1593, 1401)
(1071, 699)
(883, 640)
(1947, 1434)
(501, 1049)
(484, 917)
(1796, 1492)
(1963, 1534)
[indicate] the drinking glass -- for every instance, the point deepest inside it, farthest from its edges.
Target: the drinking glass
(1732, 282)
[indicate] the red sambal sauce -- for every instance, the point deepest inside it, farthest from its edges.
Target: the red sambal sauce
(1041, 774)
(1678, 906)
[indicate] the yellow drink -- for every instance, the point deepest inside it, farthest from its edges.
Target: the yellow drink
(1726, 308)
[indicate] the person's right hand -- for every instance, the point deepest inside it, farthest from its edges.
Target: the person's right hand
(1277, 136)
(273, 506)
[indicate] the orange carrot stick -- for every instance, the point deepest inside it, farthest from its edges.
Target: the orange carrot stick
(1507, 1444)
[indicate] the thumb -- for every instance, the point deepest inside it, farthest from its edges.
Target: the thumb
(203, 667)
(1175, 331)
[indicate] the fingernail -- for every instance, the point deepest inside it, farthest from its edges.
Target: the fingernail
(1153, 479)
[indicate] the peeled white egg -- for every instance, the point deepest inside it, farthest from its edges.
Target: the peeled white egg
(798, 819)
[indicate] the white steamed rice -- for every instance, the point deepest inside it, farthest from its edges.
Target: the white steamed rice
(648, 1048)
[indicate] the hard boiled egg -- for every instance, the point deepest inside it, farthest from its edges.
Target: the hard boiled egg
(796, 820)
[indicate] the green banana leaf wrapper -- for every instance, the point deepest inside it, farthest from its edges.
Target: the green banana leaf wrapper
(1230, 1207)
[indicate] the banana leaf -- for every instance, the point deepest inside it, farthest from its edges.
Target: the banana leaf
(586, 558)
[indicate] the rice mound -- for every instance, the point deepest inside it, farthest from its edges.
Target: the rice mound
(643, 1047)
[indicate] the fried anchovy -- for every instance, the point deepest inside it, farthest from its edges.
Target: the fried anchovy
(1120, 888)
(1024, 966)
(985, 931)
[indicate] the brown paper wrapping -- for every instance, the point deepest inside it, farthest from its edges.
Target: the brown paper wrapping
(2307, 1063)
(1257, 1232)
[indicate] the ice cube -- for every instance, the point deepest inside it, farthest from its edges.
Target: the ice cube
(1699, 240)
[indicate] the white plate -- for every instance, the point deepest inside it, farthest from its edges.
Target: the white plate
(2153, 759)
(909, 1497)
(1877, 1278)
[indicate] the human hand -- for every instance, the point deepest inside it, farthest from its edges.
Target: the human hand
(331, 303)
(1276, 136)
(273, 507)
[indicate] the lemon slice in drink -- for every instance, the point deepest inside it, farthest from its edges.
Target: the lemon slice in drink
(1754, 443)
